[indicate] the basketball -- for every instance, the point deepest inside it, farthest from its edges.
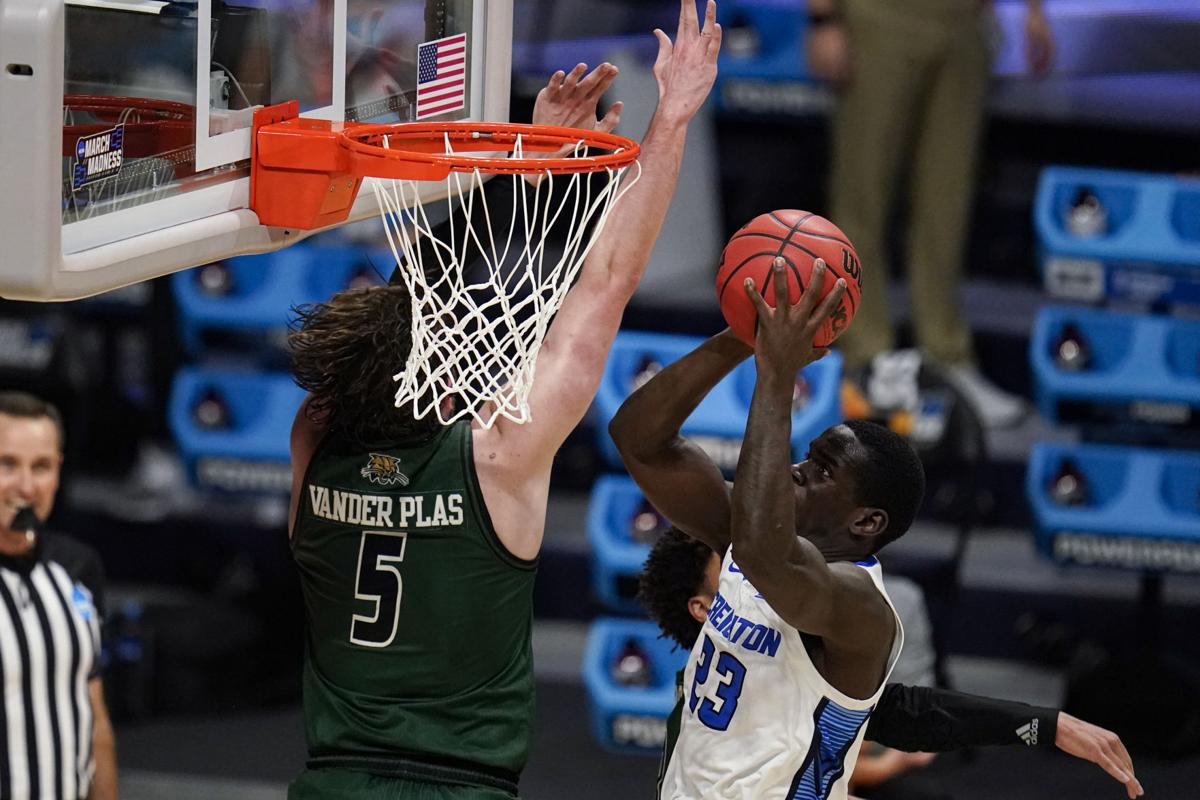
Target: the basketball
(800, 238)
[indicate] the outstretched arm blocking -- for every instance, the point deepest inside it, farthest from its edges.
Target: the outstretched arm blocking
(573, 355)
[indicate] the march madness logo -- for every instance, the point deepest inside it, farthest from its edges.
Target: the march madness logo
(98, 156)
(384, 470)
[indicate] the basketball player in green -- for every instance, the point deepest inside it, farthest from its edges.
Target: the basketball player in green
(416, 543)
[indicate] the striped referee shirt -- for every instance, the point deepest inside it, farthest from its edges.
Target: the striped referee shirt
(49, 650)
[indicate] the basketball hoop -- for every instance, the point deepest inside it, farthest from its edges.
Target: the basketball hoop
(484, 294)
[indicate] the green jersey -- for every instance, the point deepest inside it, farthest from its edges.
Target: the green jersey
(674, 720)
(419, 620)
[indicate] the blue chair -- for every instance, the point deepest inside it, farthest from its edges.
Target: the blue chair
(617, 558)
(778, 29)
(1141, 511)
(763, 68)
(250, 452)
(1149, 252)
(1143, 369)
(629, 719)
(719, 422)
(264, 288)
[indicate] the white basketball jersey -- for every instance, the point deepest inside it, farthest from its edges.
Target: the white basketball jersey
(759, 721)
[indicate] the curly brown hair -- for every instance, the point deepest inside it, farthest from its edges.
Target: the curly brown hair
(344, 353)
(673, 573)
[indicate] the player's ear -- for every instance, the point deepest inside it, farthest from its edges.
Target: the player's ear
(698, 605)
(868, 521)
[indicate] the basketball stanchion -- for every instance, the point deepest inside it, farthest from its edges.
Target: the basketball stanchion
(483, 289)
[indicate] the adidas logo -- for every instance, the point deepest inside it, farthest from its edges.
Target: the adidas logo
(1028, 733)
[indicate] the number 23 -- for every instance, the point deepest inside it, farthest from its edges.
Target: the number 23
(732, 674)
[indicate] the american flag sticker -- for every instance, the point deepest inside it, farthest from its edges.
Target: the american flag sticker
(441, 76)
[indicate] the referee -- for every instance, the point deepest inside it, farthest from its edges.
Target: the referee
(56, 741)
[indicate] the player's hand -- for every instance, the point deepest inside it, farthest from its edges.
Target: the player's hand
(827, 49)
(1039, 42)
(1104, 748)
(570, 99)
(686, 68)
(784, 342)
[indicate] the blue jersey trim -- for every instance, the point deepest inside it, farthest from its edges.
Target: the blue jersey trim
(834, 730)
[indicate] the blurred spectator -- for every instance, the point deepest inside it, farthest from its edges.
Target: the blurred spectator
(56, 741)
(911, 78)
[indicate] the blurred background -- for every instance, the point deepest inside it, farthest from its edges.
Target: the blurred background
(1056, 557)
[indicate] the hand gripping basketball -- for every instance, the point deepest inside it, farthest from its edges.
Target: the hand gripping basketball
(784, 339)
(799, 238)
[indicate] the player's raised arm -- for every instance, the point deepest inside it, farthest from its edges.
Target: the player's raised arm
(573, 355)
(791, 572)
(677, 476)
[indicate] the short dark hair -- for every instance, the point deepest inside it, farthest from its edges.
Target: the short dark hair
(29, 406)
(344, 353)
(674, 572)
(891, 477)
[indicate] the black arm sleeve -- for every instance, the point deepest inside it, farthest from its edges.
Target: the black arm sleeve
(922, 719)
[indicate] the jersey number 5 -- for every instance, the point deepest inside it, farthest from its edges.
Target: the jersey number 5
(731, 672)
(378, 581)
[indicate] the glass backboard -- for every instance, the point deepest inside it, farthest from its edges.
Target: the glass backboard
(126, 123)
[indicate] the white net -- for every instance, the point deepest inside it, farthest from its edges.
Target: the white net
(484, 290)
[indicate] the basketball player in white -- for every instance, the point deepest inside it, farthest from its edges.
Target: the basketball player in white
(801, 637)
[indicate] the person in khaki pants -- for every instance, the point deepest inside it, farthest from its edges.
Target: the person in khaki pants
(911, 78)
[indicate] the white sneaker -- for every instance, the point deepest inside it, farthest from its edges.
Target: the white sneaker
(894, 383)
(996, 408)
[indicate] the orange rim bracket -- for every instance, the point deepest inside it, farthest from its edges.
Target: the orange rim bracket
(299, 176)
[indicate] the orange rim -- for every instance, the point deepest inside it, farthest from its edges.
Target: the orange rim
(418, 144)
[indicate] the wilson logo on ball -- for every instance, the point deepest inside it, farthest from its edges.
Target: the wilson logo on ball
(851, 268)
